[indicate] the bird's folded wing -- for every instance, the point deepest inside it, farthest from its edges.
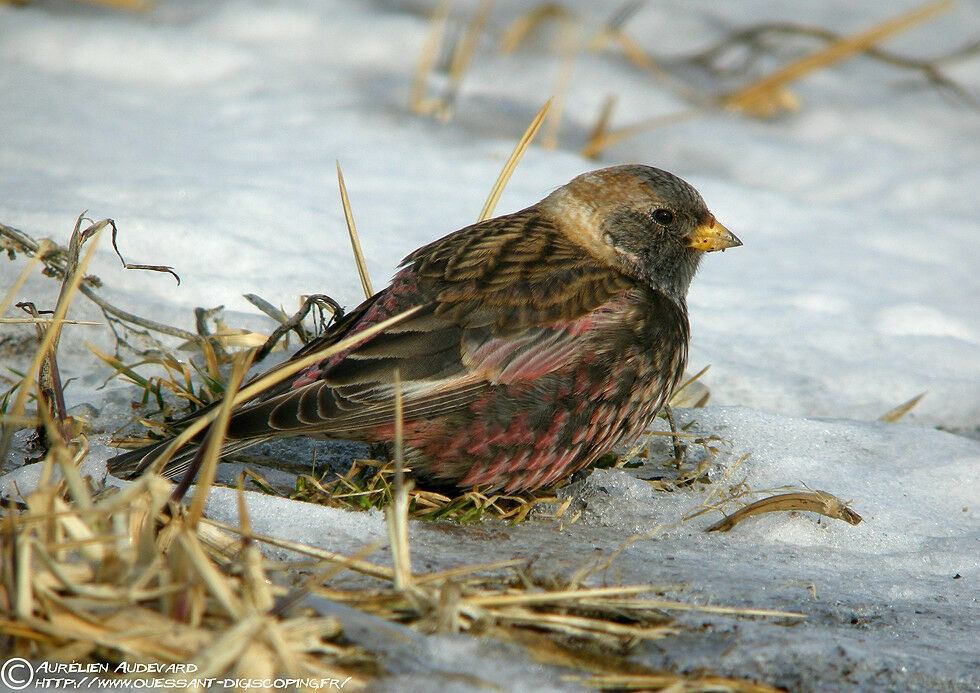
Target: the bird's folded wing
(440, 369)
(503, 301)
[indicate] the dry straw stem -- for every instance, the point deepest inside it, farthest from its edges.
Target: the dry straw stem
(532, 598)
(512, 161)
(456, 573)
(53, 257)
(43, 248)
(641, 59)
(671, 683)
(586, 571)
(569, 44)
(601, 140)
(73, 280)
(601, 629)
(601, 137)
(43, 321)
(721, 490)
(899, 412)
(754, 39)
(459, 62)
(238, 338)
(215, 439)
(767, 96)
(463, 55)
(130, 5)
(604, 617)
(636, 55)
(69, 285)
(516, 32)
(397, 513)
(354, 564)
(691, 393)
(602, 122)
(354, 241)
(417, 102)
(819, 502)
(671, 605)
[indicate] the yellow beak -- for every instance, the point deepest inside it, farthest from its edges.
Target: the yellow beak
(711, 235)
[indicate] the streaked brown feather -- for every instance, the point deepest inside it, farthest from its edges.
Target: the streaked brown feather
(513, 272)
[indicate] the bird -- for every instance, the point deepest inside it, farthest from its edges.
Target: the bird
(540, 341)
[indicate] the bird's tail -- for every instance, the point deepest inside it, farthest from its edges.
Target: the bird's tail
(132, 464)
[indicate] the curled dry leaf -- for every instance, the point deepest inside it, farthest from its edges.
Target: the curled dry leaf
(128, 265)
(819, 502)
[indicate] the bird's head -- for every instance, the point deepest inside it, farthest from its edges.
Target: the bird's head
(643, 221)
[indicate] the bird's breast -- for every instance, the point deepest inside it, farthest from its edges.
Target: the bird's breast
(637, 361)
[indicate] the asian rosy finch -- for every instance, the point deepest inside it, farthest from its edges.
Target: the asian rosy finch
(543, 339)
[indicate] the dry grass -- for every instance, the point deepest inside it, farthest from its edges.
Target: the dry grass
(768, 96)
(732, 500)
(461, 57)
(44, 356)
(418, 102)
(104, 576)
(764, 97)
(127, 577)
(568, 46)
(79, 568)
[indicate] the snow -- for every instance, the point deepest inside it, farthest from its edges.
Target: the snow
(348, 532)
(210, 133)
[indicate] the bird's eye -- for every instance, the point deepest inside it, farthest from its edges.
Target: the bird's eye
(664, 217)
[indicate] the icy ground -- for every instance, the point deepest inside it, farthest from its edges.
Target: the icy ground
(209, 132)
